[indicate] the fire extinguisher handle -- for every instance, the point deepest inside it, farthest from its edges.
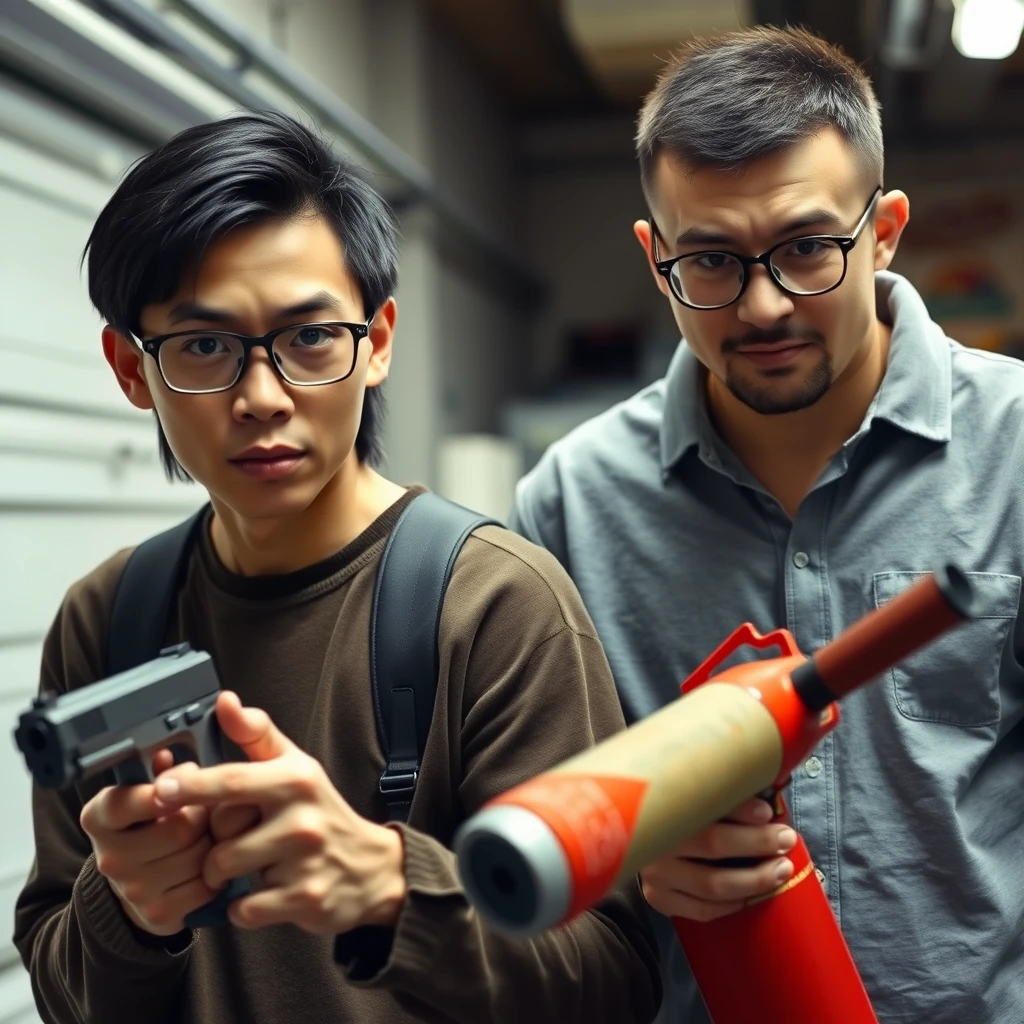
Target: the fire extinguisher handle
(743, 636)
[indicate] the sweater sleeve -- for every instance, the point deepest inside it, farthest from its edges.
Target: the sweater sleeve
(87, 961)
(530, 701)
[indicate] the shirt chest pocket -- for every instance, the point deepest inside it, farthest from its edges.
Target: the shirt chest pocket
(955, 679)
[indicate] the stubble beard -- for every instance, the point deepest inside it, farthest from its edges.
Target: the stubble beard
(773, 401)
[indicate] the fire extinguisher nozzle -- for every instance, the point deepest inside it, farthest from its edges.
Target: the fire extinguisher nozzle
(514, 870)
(956, 588)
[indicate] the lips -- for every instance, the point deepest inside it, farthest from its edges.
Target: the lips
(273, 463)
(769, 349)
(258, 454)
(774, 356)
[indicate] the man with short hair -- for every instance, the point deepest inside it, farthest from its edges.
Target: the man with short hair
(816, 444)
(246, 274)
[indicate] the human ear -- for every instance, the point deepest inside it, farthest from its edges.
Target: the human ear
(382, 332)
(891, 216)
(126, 360)
(642, 230)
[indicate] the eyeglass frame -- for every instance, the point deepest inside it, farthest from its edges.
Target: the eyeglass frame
(151, 346)
(844, 242)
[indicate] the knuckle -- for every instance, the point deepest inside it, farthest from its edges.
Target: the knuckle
(717, 885)
(233, 781)
(217, 861)
(95, 812)
(313, 893)
(716, 842)
(651, 894)
(107, 864)
(134, 893)
(154, 912)
(308, 828)
(185, 832)
(306, 781)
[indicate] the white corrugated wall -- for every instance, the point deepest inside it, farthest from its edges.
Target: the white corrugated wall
(79, 475)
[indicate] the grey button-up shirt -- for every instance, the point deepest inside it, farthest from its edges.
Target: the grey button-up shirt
(913, 809)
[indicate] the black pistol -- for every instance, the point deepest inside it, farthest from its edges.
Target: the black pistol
(119, 723)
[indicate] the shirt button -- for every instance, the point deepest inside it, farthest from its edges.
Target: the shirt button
(800, 560)
(813, 767)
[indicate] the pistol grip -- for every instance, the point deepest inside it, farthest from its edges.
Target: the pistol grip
(215, 913)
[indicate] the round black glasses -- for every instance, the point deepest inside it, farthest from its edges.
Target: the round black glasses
(714, 278)
(204, 362)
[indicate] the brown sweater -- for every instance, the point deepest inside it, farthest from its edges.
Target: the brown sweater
(524, 684)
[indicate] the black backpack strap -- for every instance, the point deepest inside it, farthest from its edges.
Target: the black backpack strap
(146, 594)
(408, 595)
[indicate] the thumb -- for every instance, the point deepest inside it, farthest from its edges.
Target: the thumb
(251, 729)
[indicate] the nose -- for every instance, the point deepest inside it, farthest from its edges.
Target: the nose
(261, 394)
(763, 304)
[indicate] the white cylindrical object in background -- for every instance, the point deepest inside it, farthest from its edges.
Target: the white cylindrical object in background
(479, 471)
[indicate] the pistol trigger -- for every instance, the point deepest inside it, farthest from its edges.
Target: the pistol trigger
(133, 771)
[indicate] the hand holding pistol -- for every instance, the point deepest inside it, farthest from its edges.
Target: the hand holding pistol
(136, 724)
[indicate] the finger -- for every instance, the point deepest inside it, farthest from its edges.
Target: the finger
(724, 840)
(715, 884)
(238, 782)
(251, 729)
(186, 865)
(677, 904)
(267, 907)
(185, 768)
(189, 896)
(274, 842)
(752, 812)
(162, 760)
(116, 808)
(122, 855)
(169, 835)
(167, 912)
(229, 820)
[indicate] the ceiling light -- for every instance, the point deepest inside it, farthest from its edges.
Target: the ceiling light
(988, 29)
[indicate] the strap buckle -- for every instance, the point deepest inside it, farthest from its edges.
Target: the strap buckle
(396, 783)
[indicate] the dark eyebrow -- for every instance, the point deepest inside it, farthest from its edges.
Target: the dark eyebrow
(825, 220)
(828, 221)
(321, 302)
(702, 236)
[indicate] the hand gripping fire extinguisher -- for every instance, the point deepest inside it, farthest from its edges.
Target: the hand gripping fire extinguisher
(548, 849)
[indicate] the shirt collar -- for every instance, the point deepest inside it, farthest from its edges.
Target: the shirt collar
(917, 390)
(915, 395)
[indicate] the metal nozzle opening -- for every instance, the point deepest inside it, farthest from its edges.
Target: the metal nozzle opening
(514, 870)
(957, 590)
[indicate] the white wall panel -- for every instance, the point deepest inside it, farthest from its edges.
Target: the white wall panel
(44, 551)
(79, 473)
(61, 458)
(16, 1006)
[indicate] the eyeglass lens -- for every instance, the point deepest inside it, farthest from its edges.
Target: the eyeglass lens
(212, 360)
(805, 266)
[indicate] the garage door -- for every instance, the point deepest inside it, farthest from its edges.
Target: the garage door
(79, 473)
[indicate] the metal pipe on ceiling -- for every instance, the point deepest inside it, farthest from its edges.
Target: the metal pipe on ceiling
(501, 268)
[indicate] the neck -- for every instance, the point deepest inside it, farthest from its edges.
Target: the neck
(788, 452)
(347, 505)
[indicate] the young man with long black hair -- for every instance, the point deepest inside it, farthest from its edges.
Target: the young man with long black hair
(245, 274)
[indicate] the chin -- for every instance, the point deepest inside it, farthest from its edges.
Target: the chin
(777, 393)
(257, 500)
